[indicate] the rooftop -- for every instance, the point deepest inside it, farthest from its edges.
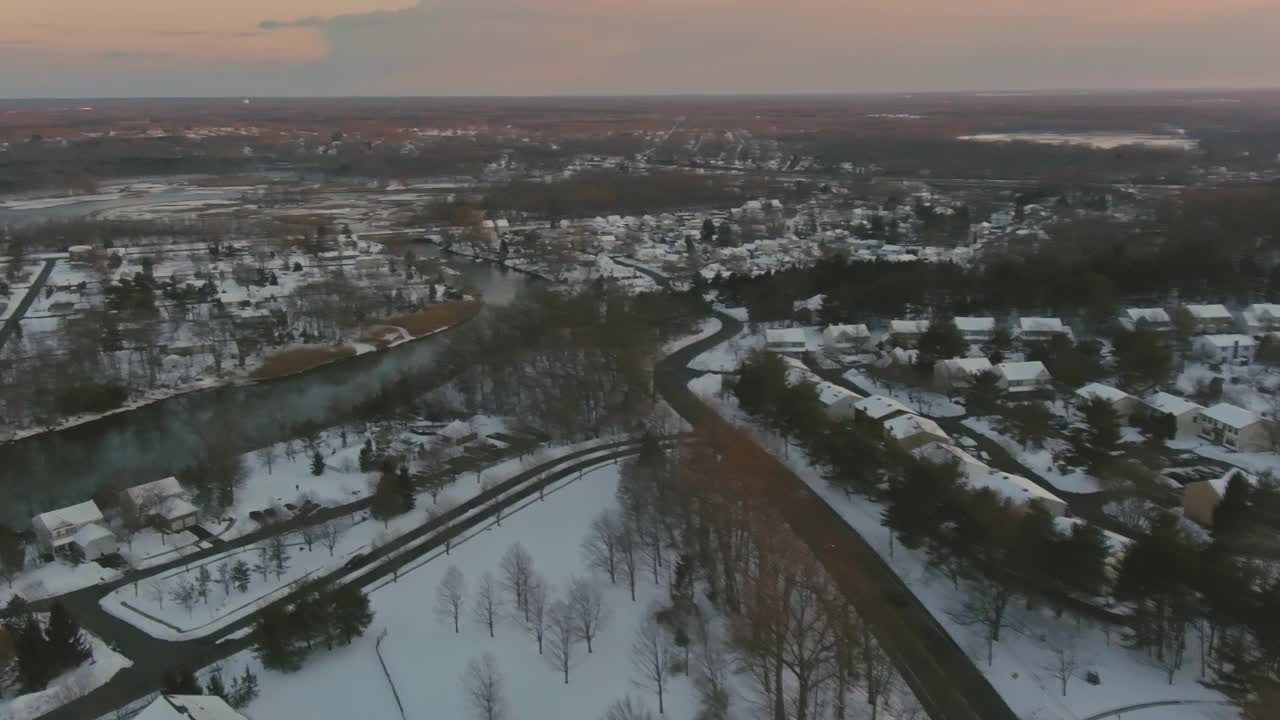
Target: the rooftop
(1228, 341)
(975, 324)
(76, 515)
(1151, 315)
(1232, 416)
(969, 365)
(160, 489)
(1105, 392)
(1029, 370)
(908, 327)
(784, 335)
(880, 406)
(189, 707)
(1040, 324)
(1209, 312)
(1172, 404)
(905, 426)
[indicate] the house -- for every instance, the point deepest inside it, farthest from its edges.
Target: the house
(1039, 329)
(188, 707)
(959, 372)
(1122, 402)
(1262, 317)
(906, 333)
(797, 372)
(1023, 376)
(161, 503)
(976, 329)
(838, 403)
(1183, 411)
(1018, 490)
(1201, 498)
(79, 527)
(1235, 349)
(458, 432)
(880, 407)
(843, 339)
(785, 340)
(1211, 318)
(912, 431)
(1235, 428)
(1151, 318)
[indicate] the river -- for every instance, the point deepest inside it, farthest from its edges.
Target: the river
(64, 467)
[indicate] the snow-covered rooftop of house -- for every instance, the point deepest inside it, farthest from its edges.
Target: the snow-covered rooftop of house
(879, 406)
(1232, 416)
(1228, 341)
(1209, 312)
(975, 324)
(784, 336)
(1042, 325)
(1015, 487)
(1172, 404)
(1151, 315)
(1029, 370)
(175, 507)
(82, 514)
(908, 327)
(189, 707)
(971, 366)
(1219, 484)
(86, 535)
(165, 488)
(799, 375)
(830, 393)
(456, 430)
(941, 452)
(906, 426)
(1117, 544)
(852, 331)
(1264, 310)
(1105, 392)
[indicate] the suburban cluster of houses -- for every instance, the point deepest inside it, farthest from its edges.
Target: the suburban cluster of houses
(1221, 335)
(81, 530)
(1224, 424)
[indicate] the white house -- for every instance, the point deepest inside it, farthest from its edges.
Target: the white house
(880, 407)
(1262, 317)
(959, 372)
(188, 707)
(1183, 411)
(1153, 318)
(838, 403)
(81, 526)
(912, 431)
(1038, 329)
(1124, 404)
(1211, 318)
(906, 333)
(976, 329)
(1235, 428)
(1236, 349)
(785, 340)
(161, 503)
(843, 339)
(1023, 376)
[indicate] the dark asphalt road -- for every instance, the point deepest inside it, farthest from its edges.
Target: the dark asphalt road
(152, 658)
(37, 285)
(944, 679)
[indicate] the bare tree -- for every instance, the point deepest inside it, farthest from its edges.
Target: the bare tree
(224, 577)
(449, 596)
(562, 637)
(1065, 662)
(986, 605)
(330, 532)
(517, 571)
(267, 456)
(711, 679)
(587, 604)
(310, 534)
(628, 560)
(156, 590)
(536, 609)
(485, 609)
(600, 547)
(651, 656)
(185, 594)
(484, 688)
(628, 709)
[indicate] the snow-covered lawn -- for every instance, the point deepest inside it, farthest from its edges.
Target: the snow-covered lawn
(1022, 660)
(41, 581)
(104, 664)
(707, 327)
(729, 356)
(921, 401)
(1039, 461)
(426, 659)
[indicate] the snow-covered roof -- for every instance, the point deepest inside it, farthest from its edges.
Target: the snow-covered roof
(456, 430)
(1209, 312)
(839, 331)
(784, 336)
(908, 327)
(1264, 310)
(1151, 315)
(1014, 487)
(1219, 484)
(907, 426)
(74, 516)
(175, 507)
(1014, 371)
(972, 366)
(942, 452)
(91, 533)
(879, 406)
(1105, 392)
(1172, 404)
(1227, 341)
(975, 324)
(189, 707)
(830, 393)
(1042, 325)
(1232, 416)
(154, 491)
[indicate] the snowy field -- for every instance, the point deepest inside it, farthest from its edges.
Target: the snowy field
(104, 664)
(426, 659)
(1021, 667)
(41, 581)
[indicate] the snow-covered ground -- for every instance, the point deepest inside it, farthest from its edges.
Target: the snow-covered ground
(729, 356)
(1039, 461)
(707, 328)
(41, 581)
(104, 664)
(1021, 666)
(921, 401)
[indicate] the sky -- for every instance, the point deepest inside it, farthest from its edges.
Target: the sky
(149, 48)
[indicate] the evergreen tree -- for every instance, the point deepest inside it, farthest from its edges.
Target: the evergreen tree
(273, 644)
(366, 456)
(1233, 511)
(1080, 562)
(215, 686)
(241, 575)
(405, 489)
(982, 397)
(1093, 444)
(940, 341)
(351, 613)
(65, 645)
(916, 501)
(724, 235)
(708, 231)
(244, 689)
(387, 501)
(35, 666)
(317, 464)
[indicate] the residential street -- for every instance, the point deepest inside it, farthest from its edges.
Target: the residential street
(37, 285)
